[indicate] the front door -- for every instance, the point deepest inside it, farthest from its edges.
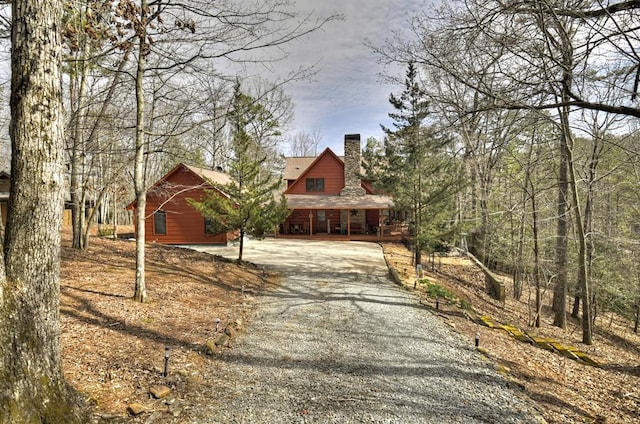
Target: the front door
(321, 221)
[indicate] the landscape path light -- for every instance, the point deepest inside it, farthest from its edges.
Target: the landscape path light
(167, 352)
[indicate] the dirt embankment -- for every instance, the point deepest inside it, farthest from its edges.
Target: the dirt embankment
(567, 391)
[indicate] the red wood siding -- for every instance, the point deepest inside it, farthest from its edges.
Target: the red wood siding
(185, 225)
(373, 217)
(328, 167)
(298, 219)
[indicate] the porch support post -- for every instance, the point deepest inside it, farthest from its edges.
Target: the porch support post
(287, 222)
(349, 223)
(310, 223)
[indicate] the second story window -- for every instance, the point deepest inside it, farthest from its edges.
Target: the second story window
(315, 184)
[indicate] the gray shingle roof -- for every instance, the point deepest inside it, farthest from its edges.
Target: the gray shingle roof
(319, 201)
(208, 174)
(295, 166)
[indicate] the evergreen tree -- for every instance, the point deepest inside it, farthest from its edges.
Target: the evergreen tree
(417, 168)
(248, 204)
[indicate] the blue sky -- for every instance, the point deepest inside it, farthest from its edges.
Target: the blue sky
(346, 96)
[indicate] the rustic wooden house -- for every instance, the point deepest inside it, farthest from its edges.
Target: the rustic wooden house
(5, 188)
(327, 197)
(170, 219)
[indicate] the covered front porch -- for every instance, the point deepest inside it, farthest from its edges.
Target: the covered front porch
(388, 236)
(362, 218)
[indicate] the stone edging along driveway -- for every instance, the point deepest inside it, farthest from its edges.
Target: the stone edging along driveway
(338, 342)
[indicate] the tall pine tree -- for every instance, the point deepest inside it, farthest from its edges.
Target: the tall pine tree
(417, 169)
(248, 204)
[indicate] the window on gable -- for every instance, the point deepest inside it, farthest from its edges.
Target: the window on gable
(315, 184)
(160, 222)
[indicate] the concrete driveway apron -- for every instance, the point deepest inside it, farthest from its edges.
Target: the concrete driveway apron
(338, 342)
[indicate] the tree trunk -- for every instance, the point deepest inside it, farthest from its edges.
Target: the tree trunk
(518, 267)
(241, 250)
(32, 385)
(97, 204)
(575, 311)
(140, 292)
(588, 222)
(74, 178)
(560, 290)
(530, 191)
(418, 206)
(536, 269)
(594, 310)
(583, 283)
(85, 225)
(417, 253)
(78, 88)
(115, 214)
(484, 229)
(536, 254)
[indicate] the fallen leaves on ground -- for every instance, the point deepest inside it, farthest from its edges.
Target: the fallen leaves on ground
(566, 391)
(113, 348)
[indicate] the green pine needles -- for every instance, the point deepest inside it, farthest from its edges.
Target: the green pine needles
(249, 204)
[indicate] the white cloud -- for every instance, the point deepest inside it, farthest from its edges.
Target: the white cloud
(346, 96)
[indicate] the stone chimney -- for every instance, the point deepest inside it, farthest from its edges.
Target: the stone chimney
(352, 182)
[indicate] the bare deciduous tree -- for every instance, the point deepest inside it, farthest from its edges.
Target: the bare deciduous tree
(186, 36)
(305, 143)
(541, 56)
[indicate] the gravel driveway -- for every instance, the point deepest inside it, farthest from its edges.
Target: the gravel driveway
(338, 342)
